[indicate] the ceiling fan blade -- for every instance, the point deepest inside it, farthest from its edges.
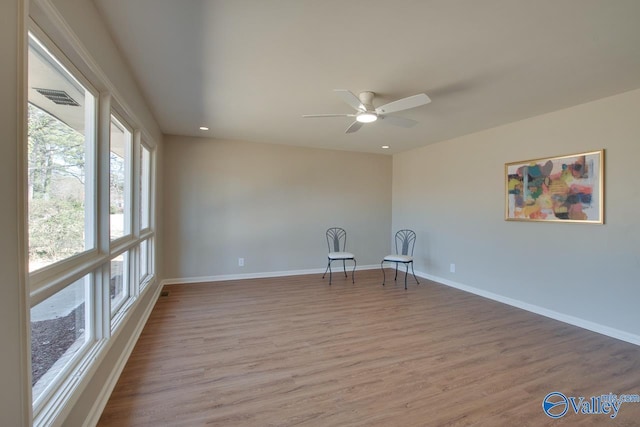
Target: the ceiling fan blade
(327, 115)
(397, 121)
(354, 127)
(348, 97)
(404, 104)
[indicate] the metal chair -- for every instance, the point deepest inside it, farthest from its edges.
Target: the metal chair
(405, 241)
(337, 242)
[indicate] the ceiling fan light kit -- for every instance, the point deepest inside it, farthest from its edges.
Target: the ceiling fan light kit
(366, 117)
(367, 113)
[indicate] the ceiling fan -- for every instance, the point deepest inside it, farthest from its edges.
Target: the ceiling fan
(367, 113)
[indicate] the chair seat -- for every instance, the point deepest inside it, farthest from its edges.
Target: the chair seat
(340, 255)
(398, 258)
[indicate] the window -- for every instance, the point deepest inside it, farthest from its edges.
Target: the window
(119, 281)
(59, 330)
(146, 261)
(61, 116)
(119, 180)
(72, 282)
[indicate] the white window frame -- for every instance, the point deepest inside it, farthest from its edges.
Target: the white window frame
(51, 279)
(145, 253)
(61, 376)
(128, 231)
(145, 196)
(126, 277)
(39, 277)
(53, 404)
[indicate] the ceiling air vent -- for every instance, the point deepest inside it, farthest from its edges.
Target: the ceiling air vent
(60, 97)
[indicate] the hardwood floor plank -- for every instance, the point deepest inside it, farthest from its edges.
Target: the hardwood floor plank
(295, 351)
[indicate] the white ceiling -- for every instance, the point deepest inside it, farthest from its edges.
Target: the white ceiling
(248, 69)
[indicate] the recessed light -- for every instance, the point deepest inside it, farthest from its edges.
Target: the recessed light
(385, 146)
(204, 128)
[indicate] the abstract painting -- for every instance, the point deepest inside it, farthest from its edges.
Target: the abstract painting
(560, 189)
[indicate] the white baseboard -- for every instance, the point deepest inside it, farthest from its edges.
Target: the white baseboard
(103, 397)
(572, 320)
(225, 277)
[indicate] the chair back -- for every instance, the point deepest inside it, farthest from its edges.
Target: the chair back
(336, 239)
(405, 241)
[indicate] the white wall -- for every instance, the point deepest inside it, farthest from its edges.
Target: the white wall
(14, 399)
(270, 204)
(452, 194)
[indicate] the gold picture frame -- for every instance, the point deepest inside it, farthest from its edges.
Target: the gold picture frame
(556, 189)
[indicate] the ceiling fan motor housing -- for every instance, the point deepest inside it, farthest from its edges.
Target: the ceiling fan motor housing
(369, 113)
(367, 100)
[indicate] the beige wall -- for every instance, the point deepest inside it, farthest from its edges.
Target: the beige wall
(452, 194)
(269, 204)
(14, 400)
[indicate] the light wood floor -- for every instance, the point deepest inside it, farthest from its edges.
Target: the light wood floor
(294, 351)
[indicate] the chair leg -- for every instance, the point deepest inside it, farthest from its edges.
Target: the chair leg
(405, 276)
(414, 273)
(344, 268)
(353, 280)
(327, 269)
(396, 276)
(384, 276)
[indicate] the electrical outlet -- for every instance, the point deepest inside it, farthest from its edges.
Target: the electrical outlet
(240, 262)
(452, 268)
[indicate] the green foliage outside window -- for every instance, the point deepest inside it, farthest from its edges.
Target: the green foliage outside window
(56, 188)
